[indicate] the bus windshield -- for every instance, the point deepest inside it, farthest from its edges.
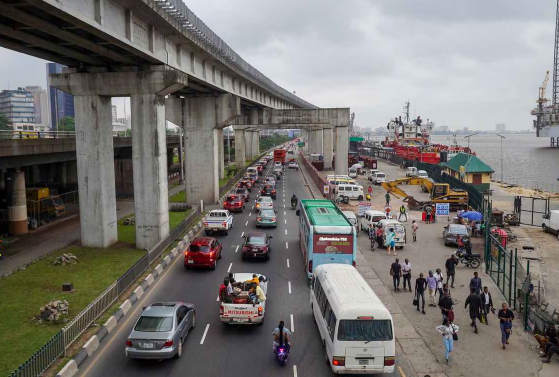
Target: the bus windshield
(353, 330)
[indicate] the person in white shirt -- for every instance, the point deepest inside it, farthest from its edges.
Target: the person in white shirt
(406, 273)
(439, 276)
(447, 330)
(263, 282)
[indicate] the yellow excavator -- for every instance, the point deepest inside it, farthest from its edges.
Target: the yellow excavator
(438, 193)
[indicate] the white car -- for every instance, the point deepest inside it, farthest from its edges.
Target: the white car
(371, 173)
(277, 163)
(264, 202)
(422, 174)
(352, 173)
(379, 177)
(293, 165)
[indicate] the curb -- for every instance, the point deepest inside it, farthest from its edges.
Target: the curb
(92, 345)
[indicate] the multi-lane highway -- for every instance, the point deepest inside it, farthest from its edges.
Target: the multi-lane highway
(215, 349)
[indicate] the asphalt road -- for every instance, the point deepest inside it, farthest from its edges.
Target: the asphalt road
(215, 349)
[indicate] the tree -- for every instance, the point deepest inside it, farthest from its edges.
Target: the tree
(4, 122)
(66, 124)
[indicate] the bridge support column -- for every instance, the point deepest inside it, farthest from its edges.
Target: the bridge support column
(328, 147)
(149, 158)
(96, 172)
(17, 205)
(255, 144)
(205, 116)
(316, 141)
(240, 147)
(342, 150)
(221, 150)
(248, 146)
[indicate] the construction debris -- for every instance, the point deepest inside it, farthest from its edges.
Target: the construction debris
(129, 221)
(67, 258)
(53, 311)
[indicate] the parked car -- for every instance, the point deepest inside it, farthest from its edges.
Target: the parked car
(351, 191)
(550, 222)
(379, 177)
(267, 217)
(370, 174)
(257, 245)
(411, 171)
(203, 252)
(451, 233)
(269, 190)
(371, 217)
(234, 203)
(422, 174)
(161, 330)
(264, 202)
(352, 173)
(397, 227)
(242, 192)
(218, 220)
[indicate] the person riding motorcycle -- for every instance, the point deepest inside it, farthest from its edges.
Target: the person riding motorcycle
(294, 200)
(464, 247)
(282, 337)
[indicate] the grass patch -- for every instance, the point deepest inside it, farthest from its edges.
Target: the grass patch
(175, 159)
(178, 198)
(24, 292)
(223, 182)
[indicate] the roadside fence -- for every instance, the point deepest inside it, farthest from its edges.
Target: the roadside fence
(320, 182)
(59, 343)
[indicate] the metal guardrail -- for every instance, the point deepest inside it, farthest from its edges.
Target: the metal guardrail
(23, 135)
(533, 184)
(59, 343)
(200, 33)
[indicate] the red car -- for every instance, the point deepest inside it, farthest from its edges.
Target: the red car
(234, 203)
(247, 183)
(257, 245)
(259, 168)
(202, 252)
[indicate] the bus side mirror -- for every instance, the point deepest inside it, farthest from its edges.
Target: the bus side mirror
(298, 213)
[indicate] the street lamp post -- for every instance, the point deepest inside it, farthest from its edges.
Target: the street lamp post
(502, 137)
(469, 152)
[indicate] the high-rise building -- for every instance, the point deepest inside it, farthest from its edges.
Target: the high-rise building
(17, 105)
(41, 102)
(114, 113)
(501, 127)
(61, 103)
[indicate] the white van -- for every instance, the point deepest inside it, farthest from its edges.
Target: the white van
(371, 173)
(379, 177)
(332, 176)
(551, 222)
(371, 217)
(356, 328)
(352, 219)
(252, 171)
(399, 230)
(351, 191)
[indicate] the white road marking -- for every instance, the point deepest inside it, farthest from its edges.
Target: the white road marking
(287, 246)
(252, 207)
(208, 327)
(286, 232)
(237, 248)
(217, 298)
(285, 220)
(229, 269)
(284, 206)
(289, 286)
(246, 224)
(284, 199)
(294, 370)
(250, 214)
(284, 213)
(292, 326)
(242, 234)
(287, 262)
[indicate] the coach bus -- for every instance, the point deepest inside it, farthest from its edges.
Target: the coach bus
(325, 234)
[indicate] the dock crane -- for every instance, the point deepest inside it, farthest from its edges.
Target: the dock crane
(542, 101)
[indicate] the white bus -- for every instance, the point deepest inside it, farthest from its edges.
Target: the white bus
(355, 326)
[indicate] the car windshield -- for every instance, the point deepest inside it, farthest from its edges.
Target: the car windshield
(380, 175)
(365, 330)
(154, 324)
(265, 200)
(458, 230)
(256, 240)
(267, 213)
(199, 248)
(240, 192)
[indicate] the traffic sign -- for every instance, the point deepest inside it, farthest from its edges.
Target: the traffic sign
(442, 209)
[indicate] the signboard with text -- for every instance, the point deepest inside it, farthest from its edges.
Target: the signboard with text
(442, 209)
(333, 243)
(363, 207)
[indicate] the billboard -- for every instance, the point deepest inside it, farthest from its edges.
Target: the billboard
(333, 243)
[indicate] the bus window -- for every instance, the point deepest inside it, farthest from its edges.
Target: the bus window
(365, 330)
(331, 323)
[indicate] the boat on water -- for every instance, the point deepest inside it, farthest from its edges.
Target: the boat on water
(411, 139)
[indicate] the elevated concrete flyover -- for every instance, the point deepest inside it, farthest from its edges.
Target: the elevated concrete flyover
(326, 130)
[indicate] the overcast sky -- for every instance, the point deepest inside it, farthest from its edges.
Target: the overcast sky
(461, 63)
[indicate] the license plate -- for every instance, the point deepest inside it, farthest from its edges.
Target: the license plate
(363, 362)
(254, 255)
(254, 249)
(191, 261)
(147, 345)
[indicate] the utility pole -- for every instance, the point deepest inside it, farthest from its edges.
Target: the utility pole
(502, 137)
(469, 151)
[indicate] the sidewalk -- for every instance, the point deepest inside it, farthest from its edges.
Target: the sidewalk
(474, 354)
(38, 244)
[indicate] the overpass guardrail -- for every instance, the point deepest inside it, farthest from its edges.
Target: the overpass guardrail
(22, 134)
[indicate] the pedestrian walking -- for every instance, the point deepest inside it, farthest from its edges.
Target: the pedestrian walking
(450, 266)
(414, 227)
(396, 272)
(390, 244)
(474, 301)
(387, 197)
(431, 286)
(403, 213)
(406, 273)
(420, 287)
(387, 210)
(433, 213)
(370, 190)
(446, 305)
(379, 234)
(448, 330)
(428, 215)
(487, 303)
(475, 283)
(439, 276)
(506, 317)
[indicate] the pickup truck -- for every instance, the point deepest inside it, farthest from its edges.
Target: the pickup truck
(218, 220)
(241, 310)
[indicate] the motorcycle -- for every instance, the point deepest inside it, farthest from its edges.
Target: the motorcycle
(293, 204)
(282, 353)
(472, 260)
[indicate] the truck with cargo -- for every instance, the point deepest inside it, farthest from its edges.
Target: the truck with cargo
(242, 307)
(218, 220)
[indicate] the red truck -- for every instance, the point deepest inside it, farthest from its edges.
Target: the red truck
(279, 155)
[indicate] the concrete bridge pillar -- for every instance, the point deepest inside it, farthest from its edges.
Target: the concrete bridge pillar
(328, 147)
(342, 150)
(316, 141)
(248, 146)
(17, 204)
(240, 147)
(221, 150)
(205, 116)
(149, 159)
(255, 144)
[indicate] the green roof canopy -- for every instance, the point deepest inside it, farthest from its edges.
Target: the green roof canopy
(356, 138)
(324, 212)
(475, 165)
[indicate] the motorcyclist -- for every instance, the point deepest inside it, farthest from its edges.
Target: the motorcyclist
(282, 337)
(294, 200)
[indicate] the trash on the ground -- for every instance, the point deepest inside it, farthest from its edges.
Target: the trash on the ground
(129, 221)
(66, 258)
